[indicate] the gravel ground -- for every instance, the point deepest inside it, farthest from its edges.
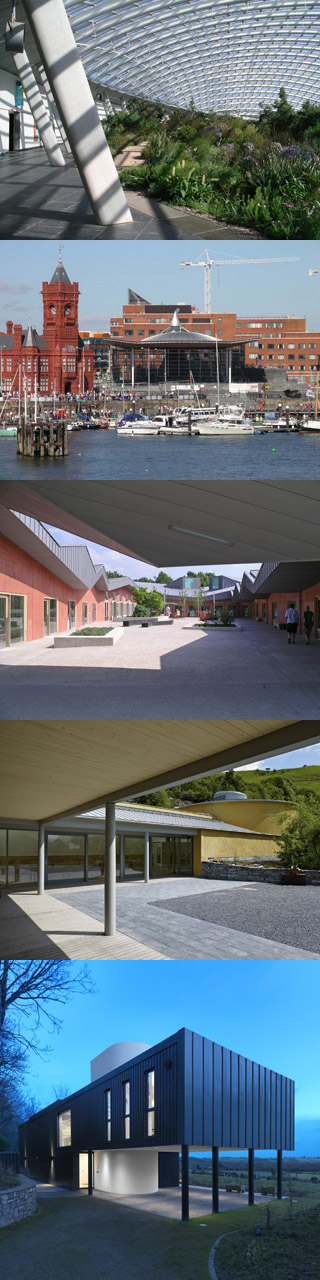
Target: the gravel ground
(284, 913)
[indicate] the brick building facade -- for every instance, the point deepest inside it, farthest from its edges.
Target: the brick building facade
(56, 360)
(275, 342)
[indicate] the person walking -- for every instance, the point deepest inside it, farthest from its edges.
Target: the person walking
(292, 619)
(308, 620)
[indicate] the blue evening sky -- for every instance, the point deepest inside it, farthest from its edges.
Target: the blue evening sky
(106, 270)
(266, 1010)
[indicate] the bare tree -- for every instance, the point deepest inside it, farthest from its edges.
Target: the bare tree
(31, 989)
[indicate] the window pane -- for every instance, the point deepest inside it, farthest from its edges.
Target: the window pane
(65, 858)
(3, 852)
(127, 1127)
(150, 1124)
(64, 1129)
(16, 622)
(134, 856)
(96, 856)
(53, 615)
(150, 1089)
(23, 857)
(162, 855)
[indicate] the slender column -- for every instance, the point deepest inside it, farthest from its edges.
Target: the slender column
(132, 368)
(37, 106)
(279, 1175)
(90, 1180)
(146, 857)
(215, 1179)
(251, 1176)
(185, 1183)
(54, 109)
(41, 858)
(110, 872)
(55, 41)
(122, 857)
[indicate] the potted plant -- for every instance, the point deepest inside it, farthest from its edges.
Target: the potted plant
(293, 874)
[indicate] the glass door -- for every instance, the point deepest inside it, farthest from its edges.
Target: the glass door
(71, 614)
(3, 621)
(16, 619)
(318, 616)
(46, 617)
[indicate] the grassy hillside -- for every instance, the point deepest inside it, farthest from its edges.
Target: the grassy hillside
(273, 784)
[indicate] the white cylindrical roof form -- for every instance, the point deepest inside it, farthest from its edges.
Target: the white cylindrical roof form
(115, 1056)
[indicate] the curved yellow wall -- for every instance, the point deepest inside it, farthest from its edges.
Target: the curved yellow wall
(232, 846)
(252, 815)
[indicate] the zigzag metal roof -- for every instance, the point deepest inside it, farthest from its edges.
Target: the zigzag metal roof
(226, 55)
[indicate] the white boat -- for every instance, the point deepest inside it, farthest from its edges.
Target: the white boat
(224, 426)
(311, 424)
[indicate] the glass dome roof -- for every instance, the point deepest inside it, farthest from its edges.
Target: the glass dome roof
(224, 55)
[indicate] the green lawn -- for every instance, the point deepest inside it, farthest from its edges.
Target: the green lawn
(71, 1239)
(92, 631)
(289, 1250)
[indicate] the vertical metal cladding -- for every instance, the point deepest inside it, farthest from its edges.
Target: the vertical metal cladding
(233, 1102)
(205, 1096)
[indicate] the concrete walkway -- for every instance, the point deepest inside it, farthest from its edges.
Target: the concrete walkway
(38, 202)
(179, 672)
(68, 923)
(168, 1203)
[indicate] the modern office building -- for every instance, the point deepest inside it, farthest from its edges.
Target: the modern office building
(55, 361)
(270, 342)
(46, 588)
(267, 596)
(147, 1105)
(151, 842)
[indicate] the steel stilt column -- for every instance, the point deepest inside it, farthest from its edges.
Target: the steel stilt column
(41, 849)
(215, 1179)
(185, 1183)
(279, 1175)
(59, 56)
(251, 1176)
(37, 107)
(146, 857)
(110, 872)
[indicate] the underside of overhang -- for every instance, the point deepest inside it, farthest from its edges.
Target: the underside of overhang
(181, 522)
(51, 769)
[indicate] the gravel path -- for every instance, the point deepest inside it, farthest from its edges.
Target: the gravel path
(283, 913)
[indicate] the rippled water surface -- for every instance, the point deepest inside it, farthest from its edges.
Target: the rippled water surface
(98, 454)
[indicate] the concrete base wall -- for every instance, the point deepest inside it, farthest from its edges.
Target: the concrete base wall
(79, 642)
(126, 1172)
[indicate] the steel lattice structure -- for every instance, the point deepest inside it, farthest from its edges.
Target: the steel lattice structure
(225, 55)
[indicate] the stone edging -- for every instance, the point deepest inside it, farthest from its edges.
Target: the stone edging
(253, 874)
(77, 642)
(17, 1202)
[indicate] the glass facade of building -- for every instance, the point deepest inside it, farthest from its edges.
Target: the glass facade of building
(78, 857)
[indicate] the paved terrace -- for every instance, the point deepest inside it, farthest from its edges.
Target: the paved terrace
(178, 672)
(155, 923)
(38, 202)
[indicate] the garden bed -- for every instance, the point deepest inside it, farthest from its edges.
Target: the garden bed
(89, 638)
(262, 174)
(249, 871)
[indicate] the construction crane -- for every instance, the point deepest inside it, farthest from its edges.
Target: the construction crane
(207, 263)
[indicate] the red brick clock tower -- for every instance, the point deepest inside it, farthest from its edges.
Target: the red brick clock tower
(70, 366)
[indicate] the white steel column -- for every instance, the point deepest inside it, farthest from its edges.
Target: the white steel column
(54, 109)
(55, 41)
(41, 858)
(146, 857)
(37, 106)
(110, 872)
(122, 857)
(132, 368)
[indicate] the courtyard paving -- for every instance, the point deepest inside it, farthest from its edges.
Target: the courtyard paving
(168, 1203)
(155, 922)
(38, 202)
(179, 672)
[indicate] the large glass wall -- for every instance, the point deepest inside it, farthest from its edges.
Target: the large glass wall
(96, 856)
(22, 857)
(3, 857)
(171, 855)
(16, 619)
(134, 857)
(65, 857)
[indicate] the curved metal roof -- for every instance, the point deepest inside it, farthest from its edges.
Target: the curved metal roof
(225, 55)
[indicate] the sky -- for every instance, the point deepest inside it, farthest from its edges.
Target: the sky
(137, 568)
(266, 1010)
(105, 270)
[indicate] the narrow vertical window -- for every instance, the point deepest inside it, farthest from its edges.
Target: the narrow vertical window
(107, 1115)
(126, 1109)
(150, 1103)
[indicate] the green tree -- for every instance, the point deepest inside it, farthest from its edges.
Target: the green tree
(299, 842)
(164, 578)
(148, 603)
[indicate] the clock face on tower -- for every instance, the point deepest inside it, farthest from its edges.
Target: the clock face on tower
(67, 311)
(53, 310)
